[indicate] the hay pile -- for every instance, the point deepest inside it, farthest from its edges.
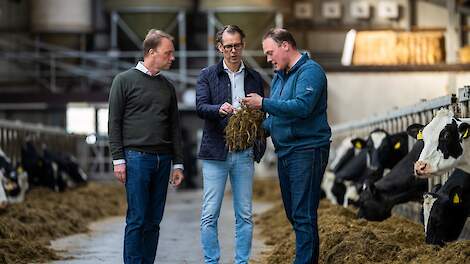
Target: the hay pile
(27, 228)
(266, 189)
(243, 128)
(345, 239)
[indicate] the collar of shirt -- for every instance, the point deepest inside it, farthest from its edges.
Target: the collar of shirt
(298, 59)
(242, 67)
(141, 67)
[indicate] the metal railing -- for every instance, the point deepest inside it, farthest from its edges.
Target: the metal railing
(398, 120)
(51, 62)
(13, 134)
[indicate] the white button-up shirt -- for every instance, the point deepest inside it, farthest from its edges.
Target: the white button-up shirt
(237, 82)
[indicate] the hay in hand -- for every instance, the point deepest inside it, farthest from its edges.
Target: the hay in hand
(243, 128)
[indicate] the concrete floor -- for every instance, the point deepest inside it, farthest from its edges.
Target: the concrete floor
(179, 236)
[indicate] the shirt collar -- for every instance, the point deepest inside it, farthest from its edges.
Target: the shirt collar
(141, 67)
(242, 67)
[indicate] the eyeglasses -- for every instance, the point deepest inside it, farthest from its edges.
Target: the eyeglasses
(236, 46)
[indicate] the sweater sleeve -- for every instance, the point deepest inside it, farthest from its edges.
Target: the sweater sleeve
(178, 156)
(310, 85)
(117, 103)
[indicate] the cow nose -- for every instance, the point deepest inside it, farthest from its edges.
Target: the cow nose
(420, 168)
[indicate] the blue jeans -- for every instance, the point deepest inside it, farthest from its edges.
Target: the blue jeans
(240, 167)
(146, 188)
(300, 175)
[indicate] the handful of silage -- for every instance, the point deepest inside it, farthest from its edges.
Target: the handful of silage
(243, 128)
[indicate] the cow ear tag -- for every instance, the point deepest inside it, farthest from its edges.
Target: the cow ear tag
(466, 134)
(420, 135)
(358, 145)
(456, 199)
(397, 145)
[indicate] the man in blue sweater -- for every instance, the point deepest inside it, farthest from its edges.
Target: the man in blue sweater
(299, 129)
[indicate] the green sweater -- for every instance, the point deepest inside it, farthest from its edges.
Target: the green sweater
(143, 116)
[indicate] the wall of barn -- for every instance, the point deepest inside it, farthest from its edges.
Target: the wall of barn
(355, 96)
(318, 40)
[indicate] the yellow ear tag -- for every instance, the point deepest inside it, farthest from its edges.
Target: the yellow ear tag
(358, 145)
(465, 135)
(420, 135)
(456, 199)
(397, 145)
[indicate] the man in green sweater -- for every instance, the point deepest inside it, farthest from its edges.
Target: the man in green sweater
(145, 139)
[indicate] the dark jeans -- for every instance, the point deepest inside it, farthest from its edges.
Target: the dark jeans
(146, 188)
(300, 176)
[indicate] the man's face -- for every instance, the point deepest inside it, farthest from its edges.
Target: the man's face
(231, 47)
(276, 54)
(162, 56)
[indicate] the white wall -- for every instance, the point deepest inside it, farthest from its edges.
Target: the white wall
(354, 96)
(431, 15)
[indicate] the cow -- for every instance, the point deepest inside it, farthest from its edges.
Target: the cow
(335, 190)
(446, 145)
(42, 171)
(446, 208)
(13, 182)
(398, 186)
(69, 171)
(383, 151)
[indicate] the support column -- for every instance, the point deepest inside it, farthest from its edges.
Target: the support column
(279, 20)
(453, 36)
(183, 67)
(210, 38)
(114, 28)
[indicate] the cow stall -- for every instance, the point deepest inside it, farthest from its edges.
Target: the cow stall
(398, 121)
(36, 155)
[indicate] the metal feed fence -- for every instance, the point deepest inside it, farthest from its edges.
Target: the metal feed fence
(398, 120)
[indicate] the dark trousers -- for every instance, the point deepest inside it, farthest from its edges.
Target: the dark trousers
(300, 176)
(146, 188)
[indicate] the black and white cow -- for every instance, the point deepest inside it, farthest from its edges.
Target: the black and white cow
(446, 208)
(398, 186)
(42, 171)
(383, 151)
(13, 181)
(348, 148)
(68, 168)
(446, 145)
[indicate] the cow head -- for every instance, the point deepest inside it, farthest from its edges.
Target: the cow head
(444, 215)
(384, 150)
(372, 205)
(378, 147)
(445, 139)
(346, 151)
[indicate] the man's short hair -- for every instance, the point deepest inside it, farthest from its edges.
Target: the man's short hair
(232, 29)
(280, 35)
(153, 40)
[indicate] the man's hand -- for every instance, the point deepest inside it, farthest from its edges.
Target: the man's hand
(226, 109)
(253, 100)
(120, 172)
(176, 177)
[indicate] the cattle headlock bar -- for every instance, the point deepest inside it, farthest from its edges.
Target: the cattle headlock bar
(13, 134)
(398, 120)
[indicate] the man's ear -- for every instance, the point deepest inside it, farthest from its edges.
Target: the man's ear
(414, 130)
(464, 130)
(220, 47)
